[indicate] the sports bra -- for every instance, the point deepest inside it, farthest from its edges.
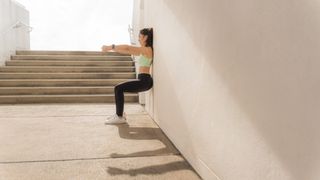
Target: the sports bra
(144, 61)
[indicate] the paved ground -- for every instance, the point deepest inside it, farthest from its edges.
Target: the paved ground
(71, 142)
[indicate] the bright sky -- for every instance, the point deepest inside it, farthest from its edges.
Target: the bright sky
(78, 24)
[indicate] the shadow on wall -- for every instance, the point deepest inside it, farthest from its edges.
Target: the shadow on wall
(268, 58)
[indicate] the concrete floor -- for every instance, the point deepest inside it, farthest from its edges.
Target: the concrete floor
(71, 142)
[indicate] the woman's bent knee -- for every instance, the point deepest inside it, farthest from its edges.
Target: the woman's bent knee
(117, 88)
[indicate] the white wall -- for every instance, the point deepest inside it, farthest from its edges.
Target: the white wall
(12, 39)
(236, 85)
(137, 25)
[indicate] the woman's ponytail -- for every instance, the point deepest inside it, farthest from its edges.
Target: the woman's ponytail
(149, 33)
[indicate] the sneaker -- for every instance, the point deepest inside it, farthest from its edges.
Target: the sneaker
(115, 119)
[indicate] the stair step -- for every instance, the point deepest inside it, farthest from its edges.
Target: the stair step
(59, 82)
(57, 90)
(115, 75)
(40, 76)
(71, 57)
(68, 63)
(90, 53)
(67, 69)
(94, 98)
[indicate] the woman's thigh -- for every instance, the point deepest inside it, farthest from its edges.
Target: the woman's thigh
(132, 86)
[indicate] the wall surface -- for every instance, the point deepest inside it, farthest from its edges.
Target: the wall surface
(137, 25)
(13, 38)
(236, 85)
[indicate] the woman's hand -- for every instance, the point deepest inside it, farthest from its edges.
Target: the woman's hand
(105, 48)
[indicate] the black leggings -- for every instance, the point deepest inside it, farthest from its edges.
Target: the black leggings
(143, 83)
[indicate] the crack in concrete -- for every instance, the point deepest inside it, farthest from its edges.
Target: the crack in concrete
(85, 159)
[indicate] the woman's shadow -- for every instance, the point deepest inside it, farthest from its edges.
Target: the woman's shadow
(145, 133)
(148, 133)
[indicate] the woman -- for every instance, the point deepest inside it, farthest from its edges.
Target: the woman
(144, 81)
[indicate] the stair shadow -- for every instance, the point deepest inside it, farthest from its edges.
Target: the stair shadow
(145, 133)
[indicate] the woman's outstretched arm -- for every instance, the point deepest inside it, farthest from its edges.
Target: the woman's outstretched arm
(124, 49)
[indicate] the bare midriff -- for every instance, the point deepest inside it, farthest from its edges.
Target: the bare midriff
(143, 69)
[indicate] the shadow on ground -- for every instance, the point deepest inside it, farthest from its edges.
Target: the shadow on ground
(143, 133)
(154, 169)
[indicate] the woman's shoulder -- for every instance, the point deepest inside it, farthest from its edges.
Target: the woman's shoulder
(147, 52)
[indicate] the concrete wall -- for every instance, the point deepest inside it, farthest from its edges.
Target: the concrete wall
(12, 39)
(236, 85)
(137, 25)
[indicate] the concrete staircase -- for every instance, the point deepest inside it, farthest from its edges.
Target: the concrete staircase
(64, 77)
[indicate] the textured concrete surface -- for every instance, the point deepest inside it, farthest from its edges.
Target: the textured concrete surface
(70, 141)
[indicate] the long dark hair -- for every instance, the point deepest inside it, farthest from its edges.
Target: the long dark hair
(149, 33)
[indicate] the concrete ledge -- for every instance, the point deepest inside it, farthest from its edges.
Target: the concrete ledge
(87, 75)
(45, 52)
(70, 98)
(56, 90)
(68, 63)
(59, 82)
(70, 57)
(67, 69)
